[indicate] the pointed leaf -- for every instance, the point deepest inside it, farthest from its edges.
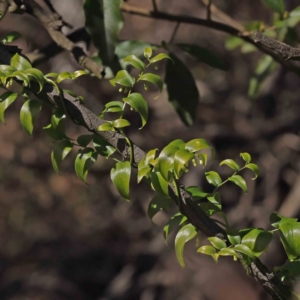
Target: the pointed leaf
(137, 101)
(148, 52)
(276, 220)
(196, 192)
(159, 184)
(245, 250)
(208, 250)
(85, 139)
(160, 57)
(134, 61)
(275, 5)
(85, 159)
(230, 163)
(228, 252)
(217, 242)
(254, 168)
(120, 176)
(213, 178)
(246, 157)
(106, 127)
(102, 146)
(37, 75)
(6, 99)
(123, 78)
(120, 123)
(157, 204)
(290, 238)
(185, 234)
(182, 90)
(181, 158)
(155, 79)
(173, 223)
(60, 151)
(233, 236)
(204, 55)
(28, 114)
(20, 63)
(239, 181)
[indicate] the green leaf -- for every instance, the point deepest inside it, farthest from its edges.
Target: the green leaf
(208, 250)
(185, 234)
(155, 79)
(150, 156)
(11, 36)
(6, 99)
(228, 252)
(63, 76)
(166, 158)
(103, 21)
(246, 157)
(85, 139)
(134, 61)
(204, 55)
(137, 101)
(112, 107)
(123, 78)
(182, 90)
(275, 5)
(84, 161)
(120, 176)
(20, 63)
(295, 12)
(56, 129)
(37, 75)
(106, 127)
(102, 146)
(245, 250)
(213, 178)
(254, 168)
(181, 158)
(28, 114)
(233, 236)
(290, 238)
(257, 240)
(233, 42)
(276, 220)
(197, 145)
(239, 181)
(143, 172)
(217, 242)
(157, 204)
(60, 151)
(196, 192)
(159, 184)
(215, 199)
(148, 52)
(20, 75)
(173, 223)
(230, 163)
(131, 47)
(120, 123)
(159, 57)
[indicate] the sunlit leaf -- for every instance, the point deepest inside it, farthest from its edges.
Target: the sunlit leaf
(228, 252)
(290, 238)
(185, 234)
(213, 178)
(134, 61)
(120, 176)
(245, 250)
(157, 204)
(123, 78)
(230, 163)
(196, 192)
(102, 146)
(208, 250)
(159, 184)
(173, 223)
(20, 63)
(11, 36)
(6, 99)
(37, 75)
(152, 78)
(276, 220)
(28, 114)
(217, 242)
(239, 181)
(60, 151)
(246, 157)
(159, 57)
(254, 168)
(181, 158)
(106, 127)
(148, 52)
(85, 159)
(233, 236)
(120, 123)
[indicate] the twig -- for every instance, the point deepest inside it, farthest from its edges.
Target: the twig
(154, 5)
(174, 33)
(208, 10)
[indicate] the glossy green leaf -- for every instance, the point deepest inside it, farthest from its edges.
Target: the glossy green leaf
(217, 242)
(78, 73)
(20, 75)
(196, 192)
(28, 114)
(233, 236)
(213, 178)
(157, 204)
(152, 78)
(203, 158)
(197, 145)
(182, 90)
(56, 129)
(245, 250)
(123, 78)
(239, 181)
(137, 101)
(106, 127)
(173, 223)
(120, 176)
(159, 184)
(276, 220)
(85, 139)
(120, 123)
(204, 55)
(37, 75)
(102, 146)
(11, 36)
(84, 161)
(228, 252)
(185, 234)
(290, 238)
(134, 61)
(20, 63)
(54, 75)
(143, 172)
(63, 76)
(290, 270)
(103, 21)
(254, 168)
(6, 70)
(275, 5)
(150, 156)
(257, 240)
(181, 158)
(230, 163)
(131, 47)
(166, 158)
(60, 151)
(246, 157)
(112, 107)
(148, 52)
(6, 99)
(208, 250)
(159, 57)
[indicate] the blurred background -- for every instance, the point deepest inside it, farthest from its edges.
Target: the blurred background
(62, 239)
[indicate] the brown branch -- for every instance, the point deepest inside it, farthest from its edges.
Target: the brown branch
(210, 24)
(53, 24)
